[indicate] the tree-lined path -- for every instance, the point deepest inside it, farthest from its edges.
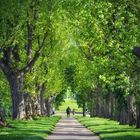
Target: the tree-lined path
(85, 50)
(71, 129)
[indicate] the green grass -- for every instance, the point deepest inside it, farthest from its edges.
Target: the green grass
(71, 103)
(29, 130)
(110, 130)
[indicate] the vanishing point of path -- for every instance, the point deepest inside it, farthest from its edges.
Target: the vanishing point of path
(71, 129)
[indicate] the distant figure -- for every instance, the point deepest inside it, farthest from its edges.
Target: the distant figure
(68, 111)
(73, 111)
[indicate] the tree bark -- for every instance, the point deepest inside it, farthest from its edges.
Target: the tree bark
(28, 106)
(92, 109)
(123, 119)
(16, 87)
(131, 110)
(48, 104)
(138, 116)
(41, 100)
(84, 109)
(112, 106)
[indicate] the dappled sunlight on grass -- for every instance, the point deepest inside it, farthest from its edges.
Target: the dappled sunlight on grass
(110, 130)
(29, 130)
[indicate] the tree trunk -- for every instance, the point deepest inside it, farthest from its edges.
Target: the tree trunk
(16, 87)
(28, 106)
(123, 116)
(2, 117)
(92, 114)
(38, 105)
(97, 106)
(112, 106)
(138, 116)
(48, 105)
(84, 109)
(41, 101)
(131, 115)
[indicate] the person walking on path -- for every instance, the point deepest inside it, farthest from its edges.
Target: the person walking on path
(68, 111)
(73, 112)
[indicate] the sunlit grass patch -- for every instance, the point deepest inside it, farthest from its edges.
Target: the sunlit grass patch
(110, 130)
(71, 103)
(29, 130)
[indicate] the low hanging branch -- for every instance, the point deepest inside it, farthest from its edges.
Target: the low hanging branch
(5, 67)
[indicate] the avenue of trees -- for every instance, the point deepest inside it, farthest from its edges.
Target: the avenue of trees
(89, 46)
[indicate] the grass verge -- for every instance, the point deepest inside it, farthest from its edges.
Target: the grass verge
(110, 130)
(29, 130)
(71, 103)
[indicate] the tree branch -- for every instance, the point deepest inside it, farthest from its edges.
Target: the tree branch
(5, 68)
(1, 64)
(36, 55)
(30, 37)
(31, 27)
(128, 58)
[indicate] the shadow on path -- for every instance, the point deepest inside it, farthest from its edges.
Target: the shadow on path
(71, 129)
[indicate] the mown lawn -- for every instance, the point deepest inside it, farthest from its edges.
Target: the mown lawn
(72, 104)
(110, 130)
(29, 130)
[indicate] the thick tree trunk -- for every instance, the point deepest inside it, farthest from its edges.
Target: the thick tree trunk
(138, 116)
(123, 119)
(41, 101)
(2, 117)
(16, 87)
(131, 109)
(48, 105)
(38, 106)
(34, 105)
(28, 106)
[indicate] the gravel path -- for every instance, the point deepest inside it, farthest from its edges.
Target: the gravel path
(71, 129)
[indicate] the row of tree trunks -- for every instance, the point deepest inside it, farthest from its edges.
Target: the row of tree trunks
(38, 105)
(110, 106)
(23, 105)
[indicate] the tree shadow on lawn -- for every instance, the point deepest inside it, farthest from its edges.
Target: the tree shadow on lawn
(33, 131)
(23, 134)
(107, 131)
(112, 133)
(25, 131)
(13, 137)
(101, 124)
(32, 125)
(29, 129)
(126, 137)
